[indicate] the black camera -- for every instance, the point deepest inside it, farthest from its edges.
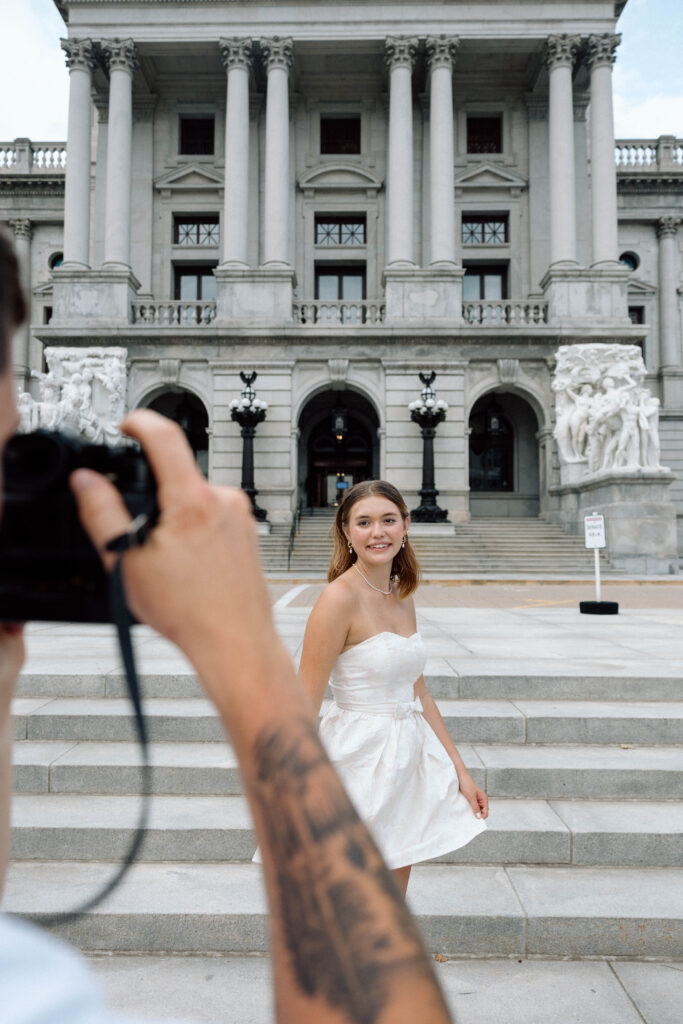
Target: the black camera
(49, 569)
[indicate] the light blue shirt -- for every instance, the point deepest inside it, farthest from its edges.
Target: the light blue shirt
(45, 981)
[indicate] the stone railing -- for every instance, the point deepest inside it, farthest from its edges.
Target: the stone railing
(23, 156)
(174, 313)
(349, 314)
(504, 312)
(647, 155)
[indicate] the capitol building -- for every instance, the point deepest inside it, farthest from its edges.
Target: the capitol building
(339, 196)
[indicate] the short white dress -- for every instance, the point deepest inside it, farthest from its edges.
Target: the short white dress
(394, 767)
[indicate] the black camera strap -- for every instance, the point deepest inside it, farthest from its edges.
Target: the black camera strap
(122, 620)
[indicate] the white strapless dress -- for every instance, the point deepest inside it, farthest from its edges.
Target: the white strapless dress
(394, 767)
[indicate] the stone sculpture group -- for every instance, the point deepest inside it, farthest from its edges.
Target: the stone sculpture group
(82, 394)
(606, 419)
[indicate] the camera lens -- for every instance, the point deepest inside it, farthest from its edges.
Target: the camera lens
(34, 462)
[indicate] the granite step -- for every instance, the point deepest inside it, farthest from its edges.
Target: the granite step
(208, 828)
(518, 770)
(461, 909)
(468, 720)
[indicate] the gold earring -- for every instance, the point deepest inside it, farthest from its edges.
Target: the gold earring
(350, 546)
(404, 541)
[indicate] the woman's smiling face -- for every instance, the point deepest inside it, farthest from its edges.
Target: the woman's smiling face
(375, 529)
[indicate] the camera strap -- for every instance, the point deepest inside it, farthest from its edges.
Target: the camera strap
(122, 620)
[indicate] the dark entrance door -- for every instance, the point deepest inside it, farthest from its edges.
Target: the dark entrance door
(338, 459)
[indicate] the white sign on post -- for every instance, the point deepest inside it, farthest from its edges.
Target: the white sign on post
(594, 527)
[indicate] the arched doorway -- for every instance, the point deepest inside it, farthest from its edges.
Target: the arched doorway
(189, 412)
(338, 446)
(503, 457)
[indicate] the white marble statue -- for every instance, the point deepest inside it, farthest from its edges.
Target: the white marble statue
(83, 394)
(605, 418)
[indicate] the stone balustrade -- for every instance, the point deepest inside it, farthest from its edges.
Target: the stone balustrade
(647, 155)
(24, 156)
(350, 314)
(174, 313)
(504, 312)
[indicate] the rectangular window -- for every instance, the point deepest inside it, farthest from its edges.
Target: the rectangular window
(47, 314)
(194, 283)
(484, 282)
(200, 230)
(340, 135)
(196, 136)
(636, 314)
(485, 134)
(330, 231)
(484, 229)
(334, 283)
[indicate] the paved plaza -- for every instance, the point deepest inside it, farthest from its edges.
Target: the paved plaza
(481, 638)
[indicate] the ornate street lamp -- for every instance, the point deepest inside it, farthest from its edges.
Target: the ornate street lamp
(428, 411)
(249, 411)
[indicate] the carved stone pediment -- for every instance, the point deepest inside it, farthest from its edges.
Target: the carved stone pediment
(640, 289)
(490, 177)
(192, 178)
(339, 178)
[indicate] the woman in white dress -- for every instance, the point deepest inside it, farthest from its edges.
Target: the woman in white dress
(383, 731)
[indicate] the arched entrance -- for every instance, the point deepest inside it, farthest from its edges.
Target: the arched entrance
(189, 412)
(338, 446)
(503, 457)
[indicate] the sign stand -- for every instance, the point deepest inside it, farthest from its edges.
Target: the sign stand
(594, 528)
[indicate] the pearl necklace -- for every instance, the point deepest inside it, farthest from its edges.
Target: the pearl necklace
(378, 589)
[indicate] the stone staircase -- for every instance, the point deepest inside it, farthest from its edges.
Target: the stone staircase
(504, 546)
(583, 856)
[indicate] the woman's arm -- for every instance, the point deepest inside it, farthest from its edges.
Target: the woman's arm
(324, 640)
(470, 790)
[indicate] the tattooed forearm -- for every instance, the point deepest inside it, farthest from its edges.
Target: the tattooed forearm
(345, 924)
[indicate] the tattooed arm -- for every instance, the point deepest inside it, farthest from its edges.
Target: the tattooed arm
(345, 948)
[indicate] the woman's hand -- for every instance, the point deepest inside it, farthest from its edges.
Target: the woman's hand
(475, 796)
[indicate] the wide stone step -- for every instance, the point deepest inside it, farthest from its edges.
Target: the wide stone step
(474, 721)
(442, 682)
(208, 828)
(542, 772)
(461, 910)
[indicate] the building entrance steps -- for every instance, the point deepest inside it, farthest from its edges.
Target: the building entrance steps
(479, 546)
(575, 729)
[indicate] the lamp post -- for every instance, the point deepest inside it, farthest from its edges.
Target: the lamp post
(428, 411)
(249, 411)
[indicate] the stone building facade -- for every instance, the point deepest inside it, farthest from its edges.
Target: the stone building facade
(339, 195)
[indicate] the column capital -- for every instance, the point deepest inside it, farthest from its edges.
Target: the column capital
(666, 227)
(277, 53)
(79, 54)
(561, 50)
(236, 53)
(601, 50)
(23, 228)
(440, 51)
(120, 54)
(400, 52)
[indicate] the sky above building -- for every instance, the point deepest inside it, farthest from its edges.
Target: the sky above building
(648, 75)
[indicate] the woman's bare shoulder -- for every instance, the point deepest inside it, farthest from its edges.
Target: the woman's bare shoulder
(337, 597)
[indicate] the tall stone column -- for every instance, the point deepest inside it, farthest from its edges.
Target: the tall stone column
(669, 326)
(400, 58)
(278, 55)
(121, 59)
(441, 52)
(21, 357)
(236, 55)
(560, 53)
(600, 56)
(80, 61)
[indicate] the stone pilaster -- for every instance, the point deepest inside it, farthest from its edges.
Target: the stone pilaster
(440, 52)
(22, 230)
(669, 325)
(80, 60)
(600, 56)
(400, 55)
(278, 56)
(560, 54)
(121, 59)
(237, 60)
